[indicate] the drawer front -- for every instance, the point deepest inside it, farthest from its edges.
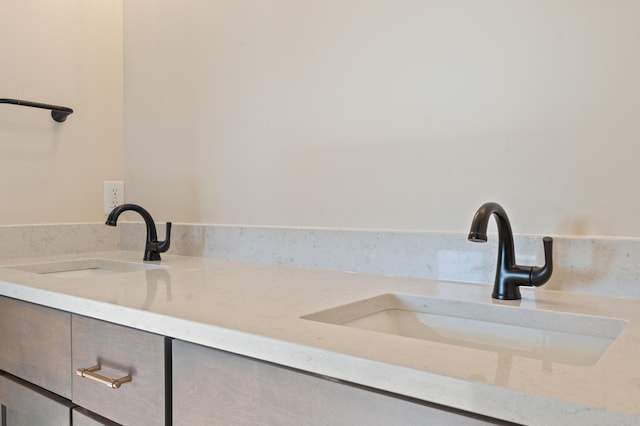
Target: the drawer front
(26, 405)
(120, 351)
(36, 344)
(211, 387)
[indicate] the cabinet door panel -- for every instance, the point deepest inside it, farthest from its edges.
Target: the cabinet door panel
(26, 405)
(212, 387)
(36, 344)
(120, 351)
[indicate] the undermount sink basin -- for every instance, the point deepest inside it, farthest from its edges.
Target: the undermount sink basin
(546, 335)
(84, 268)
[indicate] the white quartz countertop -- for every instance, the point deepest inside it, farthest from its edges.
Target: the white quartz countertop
(255, 310)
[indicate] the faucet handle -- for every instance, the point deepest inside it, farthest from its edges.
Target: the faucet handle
(540, 275)
(164, 245)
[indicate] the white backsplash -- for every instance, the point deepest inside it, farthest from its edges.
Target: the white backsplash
(584, 265)
(18, 241)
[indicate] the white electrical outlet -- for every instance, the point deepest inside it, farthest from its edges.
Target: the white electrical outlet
(113, 195)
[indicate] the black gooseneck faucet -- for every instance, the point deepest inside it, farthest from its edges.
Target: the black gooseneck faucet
(509, 276)
(153, 247)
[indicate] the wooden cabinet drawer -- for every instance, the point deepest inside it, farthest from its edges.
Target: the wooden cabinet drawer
(121, 351)
(24, 404)
(36, 344)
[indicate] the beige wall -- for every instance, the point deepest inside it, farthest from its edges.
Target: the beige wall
(69, 53)
(402, 114)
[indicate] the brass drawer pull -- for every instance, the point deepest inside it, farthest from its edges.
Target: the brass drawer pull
(90, 374)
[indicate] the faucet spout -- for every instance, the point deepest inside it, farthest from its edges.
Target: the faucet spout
(153, 247)
(509, 275)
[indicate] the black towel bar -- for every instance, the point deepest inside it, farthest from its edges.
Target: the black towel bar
(58, 113)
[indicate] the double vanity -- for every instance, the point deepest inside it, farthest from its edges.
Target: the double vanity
(193, 340)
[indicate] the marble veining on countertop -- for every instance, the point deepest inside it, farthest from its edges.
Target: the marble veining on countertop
(256, 309)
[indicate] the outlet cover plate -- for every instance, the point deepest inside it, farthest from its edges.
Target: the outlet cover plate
(113, 195)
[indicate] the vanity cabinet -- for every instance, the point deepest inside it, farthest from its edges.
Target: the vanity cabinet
(44, 347)
(214, 387)
(171, 381)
